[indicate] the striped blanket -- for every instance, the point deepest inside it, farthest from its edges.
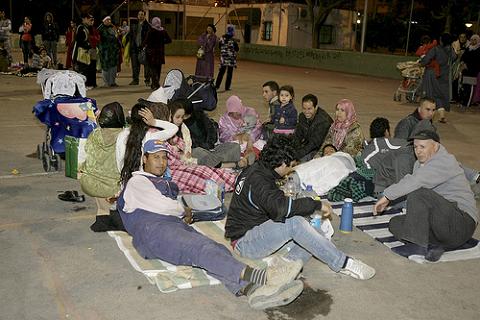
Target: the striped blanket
(170, 278)
(377, 228)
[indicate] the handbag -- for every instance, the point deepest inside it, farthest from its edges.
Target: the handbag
(83, 56)
(142, 56)
(200, 53)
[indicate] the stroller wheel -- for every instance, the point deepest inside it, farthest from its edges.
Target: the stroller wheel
(46, 162)
(56, 163)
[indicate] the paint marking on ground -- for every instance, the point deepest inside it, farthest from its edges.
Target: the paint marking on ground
(37, 174)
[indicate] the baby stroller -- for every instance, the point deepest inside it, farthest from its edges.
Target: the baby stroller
(65, 111)
(412, 74)
(200, 91)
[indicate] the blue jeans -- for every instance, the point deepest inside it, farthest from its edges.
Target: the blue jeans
(302, 240)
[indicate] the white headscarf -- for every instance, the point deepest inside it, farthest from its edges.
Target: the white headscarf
(471, 46)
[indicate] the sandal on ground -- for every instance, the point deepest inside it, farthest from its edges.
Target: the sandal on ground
(71, 196)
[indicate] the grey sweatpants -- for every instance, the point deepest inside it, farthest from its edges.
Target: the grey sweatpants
(431, 219)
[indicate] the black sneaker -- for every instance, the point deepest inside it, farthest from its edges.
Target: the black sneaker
(133, 83)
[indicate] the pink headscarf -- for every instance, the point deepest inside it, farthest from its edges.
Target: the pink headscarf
(229, 126)
(338, 129)
(157, 24)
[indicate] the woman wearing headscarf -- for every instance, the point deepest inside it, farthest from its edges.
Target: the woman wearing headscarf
(238, 120)
(207, 42)
(69, 42)
(471, 60)
(100, 177)
(241, 124)
(155, 41)
(50, 36)
(345, 133)
(228, 57)
(438, 87)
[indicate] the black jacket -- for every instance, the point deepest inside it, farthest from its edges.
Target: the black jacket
(203, 130)
(257, 199)
(132, 34)
(310, 133)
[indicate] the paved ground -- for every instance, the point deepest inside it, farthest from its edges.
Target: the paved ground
(53, 267)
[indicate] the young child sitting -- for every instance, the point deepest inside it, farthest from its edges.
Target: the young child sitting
(45, 60)
(285, 115)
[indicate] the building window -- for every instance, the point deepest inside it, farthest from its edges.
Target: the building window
(326, 35)
(267, 30)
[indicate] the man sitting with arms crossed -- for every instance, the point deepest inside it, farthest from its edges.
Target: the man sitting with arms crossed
(159, 226)
(270, 90)
(261, 219)
(441, 210)
(312, 128)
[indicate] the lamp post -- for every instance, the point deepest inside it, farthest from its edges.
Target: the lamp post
(364, 26)
(409, 26)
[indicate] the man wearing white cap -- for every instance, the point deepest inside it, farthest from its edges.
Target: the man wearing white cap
(159, 225)
(441, 209)
(109, 52)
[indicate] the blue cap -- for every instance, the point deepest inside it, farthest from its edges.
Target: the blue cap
(154, 146)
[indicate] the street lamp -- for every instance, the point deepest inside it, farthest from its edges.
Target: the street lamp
(468, 25)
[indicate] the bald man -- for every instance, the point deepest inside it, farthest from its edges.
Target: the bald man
(441, 209)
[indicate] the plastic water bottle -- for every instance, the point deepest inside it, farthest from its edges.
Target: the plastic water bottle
(211, 187)
(308, 193)
(316, 220)
(346, 220)
(290, 188)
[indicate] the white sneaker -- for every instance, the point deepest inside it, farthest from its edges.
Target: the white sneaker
(269, 296)
(283, 272)
(358, 270)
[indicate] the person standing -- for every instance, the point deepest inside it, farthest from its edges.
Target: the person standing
(205, 63)
(155, 41)
(94, 40)
(228, 57)
(69, 42)
(136, 37)
(50, 36)
(27, 38)
(109, 48)
(5, 29)
(435, 87)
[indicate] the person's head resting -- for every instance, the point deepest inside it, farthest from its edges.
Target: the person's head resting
(462, 38)
(138, 129)
(286, 94)
(426, 109)
(211, 29)
(177, 112)
(187, 106)
(235, 108)
(155, 159)
(380, 128)
(112, 116)
(270, 90)
(328, 150)
(309, 106)
(425, 143)
(279, 154)
(345, 111)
